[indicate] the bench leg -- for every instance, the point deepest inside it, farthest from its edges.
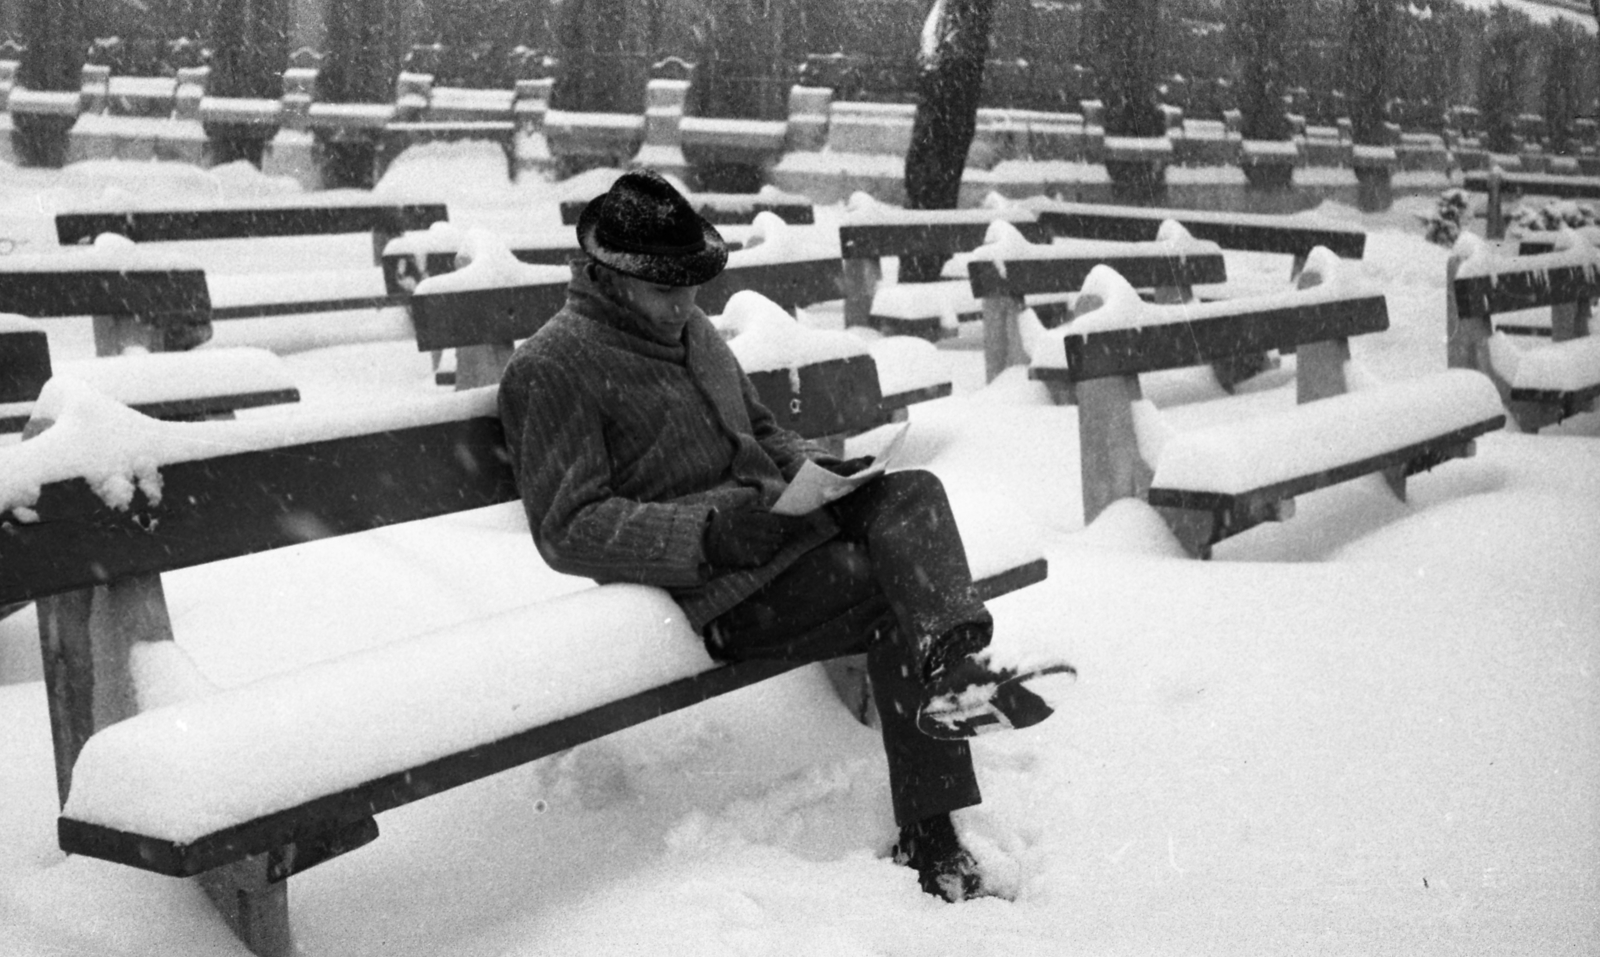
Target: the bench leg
(1108, 444)
(1320, 370)
(861, 278)
(1395, 477)
(255, 906)
(114, 335)
(1192, 528)
(87, 639)
(481, 365)
(1569, 320)
(1002, 339)
(848, 675)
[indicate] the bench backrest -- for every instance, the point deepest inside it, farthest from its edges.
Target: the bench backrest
(1534, 184)
(1220, 330)
(880, 240)
(24, 360)
(720, 210)
(789, 284)
(247, 502)
(1253, 233)
(150, 295)
(1066, 271)
(171, 225)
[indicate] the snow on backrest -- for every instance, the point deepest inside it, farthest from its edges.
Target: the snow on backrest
(764, 337)
(117, 450)
(167, 376)
(1546, 366)
(11, 322)
(490, 265)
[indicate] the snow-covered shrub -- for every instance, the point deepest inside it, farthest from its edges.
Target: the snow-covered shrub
(1553, 215)
(1443, 226)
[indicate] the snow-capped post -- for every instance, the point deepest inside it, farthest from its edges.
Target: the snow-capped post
(1367, 78)
(1267, 150)
(1137, 150)
(241, 108)
(44, 104)
(955, 42)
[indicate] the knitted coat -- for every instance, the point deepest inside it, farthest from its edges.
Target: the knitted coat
(622, 445)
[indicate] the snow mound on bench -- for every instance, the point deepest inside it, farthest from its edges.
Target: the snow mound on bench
(1317, 436)
(185, 770)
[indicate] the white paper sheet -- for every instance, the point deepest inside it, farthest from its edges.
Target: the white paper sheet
(814, 486)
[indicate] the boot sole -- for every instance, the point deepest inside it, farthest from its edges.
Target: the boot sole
(1021, 701)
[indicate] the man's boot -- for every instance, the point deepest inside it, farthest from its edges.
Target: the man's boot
(944, 868)
(964, 696)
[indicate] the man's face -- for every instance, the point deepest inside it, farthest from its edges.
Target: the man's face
(666, 307)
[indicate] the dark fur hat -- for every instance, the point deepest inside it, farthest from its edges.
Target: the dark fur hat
(644, 227)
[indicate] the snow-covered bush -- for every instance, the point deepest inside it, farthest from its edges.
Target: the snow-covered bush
(1552, 215)
(1443, 226)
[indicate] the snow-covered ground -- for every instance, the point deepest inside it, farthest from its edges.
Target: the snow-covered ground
(1369, 730)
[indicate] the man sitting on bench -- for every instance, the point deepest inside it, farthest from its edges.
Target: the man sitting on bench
(642, 454)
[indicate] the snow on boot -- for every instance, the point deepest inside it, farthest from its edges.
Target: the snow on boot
(944, 868)
(968, 698)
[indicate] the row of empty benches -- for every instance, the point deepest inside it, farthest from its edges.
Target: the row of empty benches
(1100, 312)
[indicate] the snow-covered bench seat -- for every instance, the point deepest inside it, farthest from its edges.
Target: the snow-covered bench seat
(1216, 482)
(1246, 232)
(252, 784)
(1008, 269)
(384, 220)
(176, 386)
(873, 231)
(1541, 382)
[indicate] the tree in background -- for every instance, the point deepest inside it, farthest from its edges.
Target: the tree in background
(52, 31)
(1367, 81)
(249, 42)
(604, 52)
(1498, 68)
(1257, 30)
(1561, 75)
(955, 43)
(742, 71)
(363, 62)
(1126, 37)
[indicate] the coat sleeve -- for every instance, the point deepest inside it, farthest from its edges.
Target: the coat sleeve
(563, 473)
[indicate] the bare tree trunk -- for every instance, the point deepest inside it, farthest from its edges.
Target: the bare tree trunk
(949, 84)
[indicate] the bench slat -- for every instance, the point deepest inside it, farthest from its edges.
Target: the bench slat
(1057, 275)
(1511, 290)
(24, 364)
(875, 241)
(478, 316)
(789, 284)
(235, 505)
(144, 293)
(1254, 234)
(143, 226)
(1151, 348)
(198, 407)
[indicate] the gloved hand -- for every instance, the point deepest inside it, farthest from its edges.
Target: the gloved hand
(748, 536)
(848, 466)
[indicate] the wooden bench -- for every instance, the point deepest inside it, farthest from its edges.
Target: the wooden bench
(1497, 185)
(831, 399)
(141, 301)
(1541, 383)
(863, 245)
(1238, 231)
(138, 790)
(1213, 483)
(383, 221)
(1003, 276)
